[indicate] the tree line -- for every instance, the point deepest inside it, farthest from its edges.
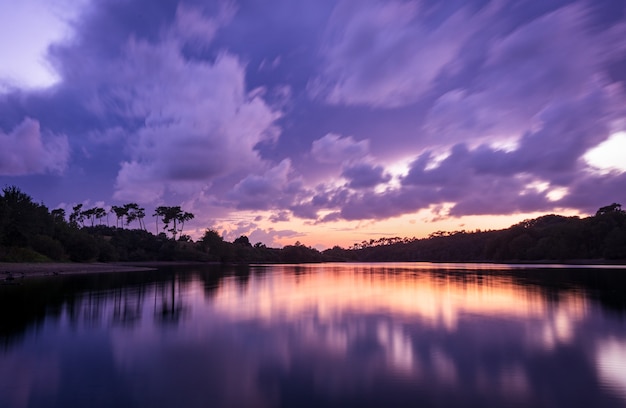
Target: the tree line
(30, 232)
(127, 214)
(547, 238)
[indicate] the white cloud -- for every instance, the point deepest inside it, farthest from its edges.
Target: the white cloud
(26, 151)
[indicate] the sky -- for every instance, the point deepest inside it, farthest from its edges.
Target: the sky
(327, 122)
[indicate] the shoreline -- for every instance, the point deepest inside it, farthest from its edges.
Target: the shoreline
(10, 271)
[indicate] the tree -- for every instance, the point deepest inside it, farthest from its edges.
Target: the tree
(58, 214)
(213, 243)
(160, 212)
(615, 207)
(99, 214)
(77, 216)
(120, 214)
(21, 218)
(182, 218)
(134, 212)
(174, 216)
(243, 241)
(90, 214)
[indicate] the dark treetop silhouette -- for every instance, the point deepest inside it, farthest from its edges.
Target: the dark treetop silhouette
(30, 232)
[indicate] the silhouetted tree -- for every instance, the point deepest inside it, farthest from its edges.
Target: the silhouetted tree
(242, 240)
(615, 207)
(134, 212)
(120, 214)
(58, 214)
(77, 216)
(89, 214)
(172, 215)
(99, 214)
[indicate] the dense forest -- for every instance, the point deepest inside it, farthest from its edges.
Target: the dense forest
(30, 232)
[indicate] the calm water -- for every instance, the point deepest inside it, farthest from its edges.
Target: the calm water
(329, 335)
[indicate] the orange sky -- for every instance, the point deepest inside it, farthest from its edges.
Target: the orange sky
(347, 233)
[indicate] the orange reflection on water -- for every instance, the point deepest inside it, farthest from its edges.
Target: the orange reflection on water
(437, 297)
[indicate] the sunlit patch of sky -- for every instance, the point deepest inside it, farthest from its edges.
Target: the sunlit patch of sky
(27, 29)
(609, 155)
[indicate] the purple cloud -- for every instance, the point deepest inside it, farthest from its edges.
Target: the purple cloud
(199, 124)
(334, 148)
(25, 150)
(363, 175)
(388, 54)
(313, 110)
(555, 56)
(281, 216)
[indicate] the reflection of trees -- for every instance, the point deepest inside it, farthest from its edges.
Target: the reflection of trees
(242, 276)
(212, 277)
(211, 283)
(92, 308)
(82, 298)
(168, 304)
(127, 307)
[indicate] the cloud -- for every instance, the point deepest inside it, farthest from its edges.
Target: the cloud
(271, 237)
(388, 54)
(590, 191)
(281, 216)
(364, 175)
(546, 169)
(554, 56)
(270, 190)
(193, 27)
(25, 150)
(199, 122)
(539, 98)
(357, 110)
(334, 148)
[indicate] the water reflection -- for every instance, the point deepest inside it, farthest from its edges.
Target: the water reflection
(317, 335)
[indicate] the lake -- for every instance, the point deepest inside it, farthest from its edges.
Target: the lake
(322, 335)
